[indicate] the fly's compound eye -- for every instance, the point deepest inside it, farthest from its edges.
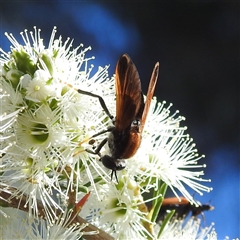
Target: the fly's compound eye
(136, 123)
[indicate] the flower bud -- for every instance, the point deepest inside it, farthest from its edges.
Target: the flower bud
(47, 60)
(23, 61)
(14, 76)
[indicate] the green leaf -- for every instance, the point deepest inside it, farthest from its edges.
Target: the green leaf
(96, 180)
(83, 189)
(157, 203)
(164, 223)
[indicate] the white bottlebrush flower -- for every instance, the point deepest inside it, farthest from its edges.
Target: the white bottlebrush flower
(37, 89)
(190, 229)
(18, 226)
(43, 119)
(46, 128)
(13, 224)
(120, 211)
(167, 153)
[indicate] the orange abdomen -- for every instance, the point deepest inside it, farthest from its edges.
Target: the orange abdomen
(132, 146)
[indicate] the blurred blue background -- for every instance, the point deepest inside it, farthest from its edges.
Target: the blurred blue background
(198, 47)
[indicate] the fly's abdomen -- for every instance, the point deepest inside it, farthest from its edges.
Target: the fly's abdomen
(132, 145)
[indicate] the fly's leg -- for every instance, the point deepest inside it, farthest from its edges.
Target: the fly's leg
(102, 102)
(100, 145)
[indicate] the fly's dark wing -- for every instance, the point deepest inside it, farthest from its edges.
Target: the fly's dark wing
(128, 93)
(151, 89)
(182, 208)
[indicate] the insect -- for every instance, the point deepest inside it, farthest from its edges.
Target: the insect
(182, 208)
(131, 112)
